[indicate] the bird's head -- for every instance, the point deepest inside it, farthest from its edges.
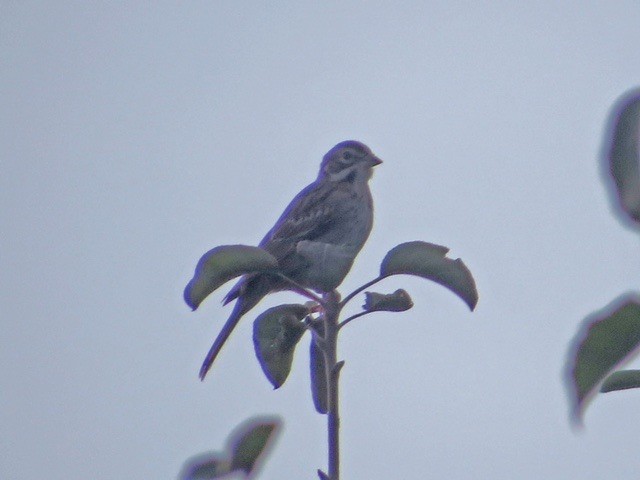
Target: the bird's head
(348, 161)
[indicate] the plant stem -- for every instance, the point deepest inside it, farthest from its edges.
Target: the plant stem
(332, 311)
(305, 292)
(353, 317)
(360, 289)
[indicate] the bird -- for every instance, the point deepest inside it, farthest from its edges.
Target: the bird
(317, 237)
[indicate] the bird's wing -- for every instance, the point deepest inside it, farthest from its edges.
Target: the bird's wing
(307, 217)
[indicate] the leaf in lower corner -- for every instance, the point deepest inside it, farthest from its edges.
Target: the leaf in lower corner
(429, 261)
(622, 380)
(250, 441)
(207, 466)
(607, 339)
(245, 446)
(276, 333)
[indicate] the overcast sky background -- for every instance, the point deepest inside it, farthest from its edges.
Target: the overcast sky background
(135, 137)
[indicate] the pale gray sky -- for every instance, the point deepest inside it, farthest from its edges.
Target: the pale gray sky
(134, 137)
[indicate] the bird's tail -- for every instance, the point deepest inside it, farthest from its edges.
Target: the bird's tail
(243, 305)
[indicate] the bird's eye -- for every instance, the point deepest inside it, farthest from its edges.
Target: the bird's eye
(347, 155)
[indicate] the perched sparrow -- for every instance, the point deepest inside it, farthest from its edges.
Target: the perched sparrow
(317, 237)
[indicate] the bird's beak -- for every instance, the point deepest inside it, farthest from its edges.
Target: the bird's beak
(375, 161)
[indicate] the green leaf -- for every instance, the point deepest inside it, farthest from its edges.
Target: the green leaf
(244, 447)
(622, 380)
(606, 339)
(622, 154)
(319, 388)
(398, 301)
(249, 441)
(221, 264)
(206, 466)
(276, 333)
(429, 261)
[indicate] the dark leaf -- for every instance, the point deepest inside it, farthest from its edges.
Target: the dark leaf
(322, 475)
(206, 466)
(606, 339)
(429, 261)
(319, 389)
(276, 333)
(221, 264)
(622, 380)
(398, 301)
(249, 441)
(622, 154)
(244, 447)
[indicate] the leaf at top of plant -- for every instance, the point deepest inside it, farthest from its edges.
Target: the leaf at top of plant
(606, 339)
(276, 333)
(398, 301)
(221, 264)
(249, 441)
(429, 261)
(621, 380)
(319, 388)
(621, 154)
(206, 466)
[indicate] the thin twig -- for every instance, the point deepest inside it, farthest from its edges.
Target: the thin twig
(322, 475)
(300, 289)
(352, 317)
(360, 289)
